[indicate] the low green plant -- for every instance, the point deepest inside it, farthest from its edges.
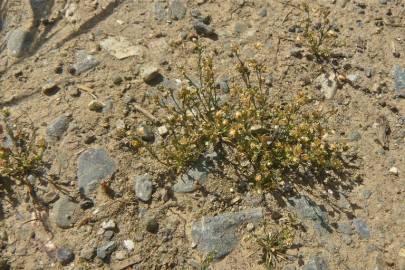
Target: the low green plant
(274, 245)
(267, 138)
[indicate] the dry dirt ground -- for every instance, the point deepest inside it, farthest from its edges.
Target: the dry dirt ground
(360, 228)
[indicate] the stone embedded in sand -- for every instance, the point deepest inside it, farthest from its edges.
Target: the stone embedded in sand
(143, 187)
(66, 212)
(17, 42)
(217, 234)
(105, 251)
(149, 73)
(328, 85)
(84, 62)
(58, 127)
(177, 10)
(316, 263)
(121, 48)
(64, 255)
(93, 166)
(361, 228)
(399, 79)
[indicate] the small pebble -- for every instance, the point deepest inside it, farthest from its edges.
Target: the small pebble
(250, 227)
(162, 130)
(152, 225)
(108, 225)
(95, 105)
(149, 73)
(64, 255)
(129, 245)
(394, 170)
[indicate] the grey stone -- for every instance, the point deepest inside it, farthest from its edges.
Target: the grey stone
(361, 228)
(108, 235)
(196, 14)
(366, 194)
(307, 209)
(263, 12)
(105, 251)
(57, 127)
(143, 187)
(64, 255)
(195, 176)
(399, 78)
(203, 29)
(66, 212)
(354, 136)
(217, 234)
(159, 11)
(17, 42)
(240, 27)
(343, 202)
(177, 10)
(316, 263)
(94, 165)
(84, 62)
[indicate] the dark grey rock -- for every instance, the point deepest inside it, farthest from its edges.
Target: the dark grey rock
(316, 263)
(17, 42)
(203, 29)
(152, 225)
(198, 174)
(57, 127)
(196, 14)
(354, 136)
(64, 255)
(117, 79)
(177, 10)
(143, 187)
(84, 62)
(263, 12)
(306, 209)
(66, 212)
(94, 165)
(105, 251)
(361, 228)
(217, 234)
(399, 78)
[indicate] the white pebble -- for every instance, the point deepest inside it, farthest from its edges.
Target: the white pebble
(129, 245)
(108, 225)
(394, 171)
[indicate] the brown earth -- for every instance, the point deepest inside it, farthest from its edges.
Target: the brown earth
(370, 40)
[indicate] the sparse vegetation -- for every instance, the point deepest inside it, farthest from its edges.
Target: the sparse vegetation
(269, 139)
(318, 34)
(21, 161)
(273, 245)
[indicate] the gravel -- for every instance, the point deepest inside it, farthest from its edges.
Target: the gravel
(143, 187)
(64, 255)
